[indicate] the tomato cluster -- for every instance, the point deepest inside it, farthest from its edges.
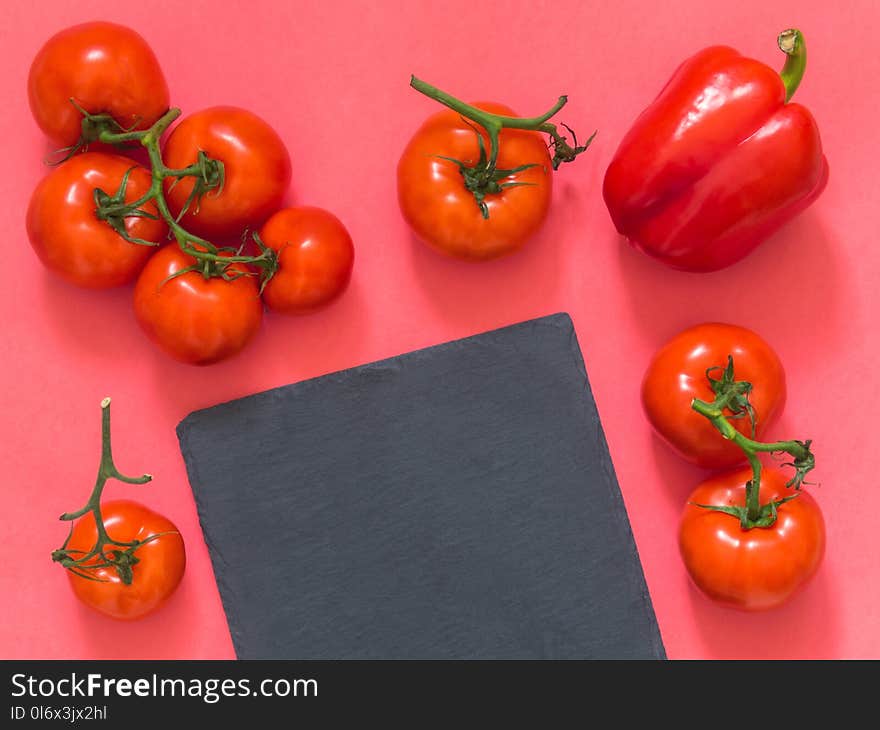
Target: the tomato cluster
(748, 567)
(100, 219)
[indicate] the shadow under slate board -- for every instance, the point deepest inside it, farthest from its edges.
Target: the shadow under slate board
(455, 502)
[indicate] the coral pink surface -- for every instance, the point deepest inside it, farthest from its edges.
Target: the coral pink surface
(332, 78)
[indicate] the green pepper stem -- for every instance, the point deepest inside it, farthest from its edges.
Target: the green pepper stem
(791, 43)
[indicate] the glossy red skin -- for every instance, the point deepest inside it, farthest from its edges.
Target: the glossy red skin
(154, 578)
(103, 66)
(442, 211)
(677, 375)
(316, 257)
(257, 168)
(755, 569)
(69, 238)
(195, 320)
(715, 164)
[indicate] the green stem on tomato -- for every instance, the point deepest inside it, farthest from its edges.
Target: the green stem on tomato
(121, 555)
(791, 43)
(208, 174)
(755, 513)
(492, 123)
(149, 139)
(484, 177)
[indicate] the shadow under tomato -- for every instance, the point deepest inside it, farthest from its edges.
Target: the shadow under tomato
(160, 635)
(329, 339)
(792, 278)
(804, 628)
(487, 294)
(286, 349)
(99, 323)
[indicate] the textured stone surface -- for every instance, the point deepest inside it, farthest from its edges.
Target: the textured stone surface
(454, 502)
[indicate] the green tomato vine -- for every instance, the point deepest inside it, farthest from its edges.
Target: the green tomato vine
(731, 403)
(209, 177)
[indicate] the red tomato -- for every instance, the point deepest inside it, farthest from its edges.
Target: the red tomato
(442, 211)
(315, 256)
(257, 169)
(104, 67)
(71, 241)
(752, 569)
(194, 319)
(156, 575)
(677, 375)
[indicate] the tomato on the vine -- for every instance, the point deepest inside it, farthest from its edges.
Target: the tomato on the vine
(315, 259)
(156, 574)
(256, 168)
(195, 319)
(68, 237)
(104, 68)
(442, 211)
(122, 559)
(677, 375)
(752, 569)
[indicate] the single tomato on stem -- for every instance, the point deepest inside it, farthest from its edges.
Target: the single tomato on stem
(694, 364)
(315, 258)
(161, 560)
(194, 312)
(85, 248)
(475, 181)
(104, 69)
(123, 559)
(246, 186)
(754, 569)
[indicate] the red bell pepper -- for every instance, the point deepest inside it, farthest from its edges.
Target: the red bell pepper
(719, 161)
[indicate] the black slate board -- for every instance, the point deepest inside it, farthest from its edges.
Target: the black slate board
(454, 502)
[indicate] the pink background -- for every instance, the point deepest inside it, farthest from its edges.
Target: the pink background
(332, 78)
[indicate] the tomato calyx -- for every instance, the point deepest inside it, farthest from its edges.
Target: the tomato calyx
(732, 394)
(484, 178)
(92, 127)
(209, 174)
(803, 462)
(731, 402)
(562, 150)
(107, 552)
(113, 210)
(221, 262)
(767, 513)
(267, 262)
